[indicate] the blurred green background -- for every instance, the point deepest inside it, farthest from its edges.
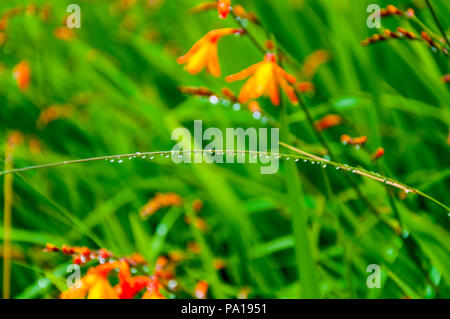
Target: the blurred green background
(117, 81)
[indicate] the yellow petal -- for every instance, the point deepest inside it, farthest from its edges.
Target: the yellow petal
(198, 61)
(102, 289)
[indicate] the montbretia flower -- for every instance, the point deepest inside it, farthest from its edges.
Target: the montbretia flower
(313, 62)
(95, 284)
(160, 201)
(22, 75)
(64, 33)
(204, 53)
(153, 289)
(201, 289)
(305, 87)
(223, 6)
(356, 141)
(379, 153)
(328, 121)
(266, 78)
(129, 286)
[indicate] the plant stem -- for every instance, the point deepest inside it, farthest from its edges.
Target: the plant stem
(343, 167)
(7, 224)
(436, 19)
(322, 140)
(249, 35)
(305, 261)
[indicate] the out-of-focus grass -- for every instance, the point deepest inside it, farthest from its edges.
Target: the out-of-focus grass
(120, 75)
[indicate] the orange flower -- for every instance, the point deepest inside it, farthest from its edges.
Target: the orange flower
(378, 153)
(95, 284)
(22, 74)
(328, 121)
(266, 78)
(305, 87)
(313, 62)
(129, 286)
(253, 107)
(201, 289)
(224, 8)
(64, 33)
(357, 141)
(153, 289)
(160, 201)
(204, 52)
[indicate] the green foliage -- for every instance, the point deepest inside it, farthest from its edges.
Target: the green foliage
(120, 75)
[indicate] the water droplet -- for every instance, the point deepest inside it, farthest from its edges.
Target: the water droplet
(120, 161)
(43, 282)
(226, 103)
(236, 106)
(213, 99)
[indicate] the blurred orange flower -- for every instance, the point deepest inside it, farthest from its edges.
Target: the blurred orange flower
(201, 289)
(357, 141)
(204, 52)
(266, 78)
(224, 8)
(379, 153)
(95, 284)
(22, 75)
(64, 33)
(153, 290)
(305, 87)
(328, 121)
(160, 201)
(129, 286)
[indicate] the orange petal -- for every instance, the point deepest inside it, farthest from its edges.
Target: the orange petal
(224, 8)
(198, 61)
(102, 289)
(289, 90)
(243, 74)
(215, 35)
(281, 72)
(212, 63)
(273, 92)
(185, 58)
(247, 91)
(263, 78)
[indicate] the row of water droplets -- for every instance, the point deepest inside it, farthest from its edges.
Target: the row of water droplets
(215, 100)
(319, 162)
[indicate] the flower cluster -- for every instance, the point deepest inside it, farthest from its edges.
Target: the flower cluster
(388, 34)
(96, 284)
(265, 78)
(356, 141)
(81, 255)
(160, 201)
(434, 42)
(392, 10)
